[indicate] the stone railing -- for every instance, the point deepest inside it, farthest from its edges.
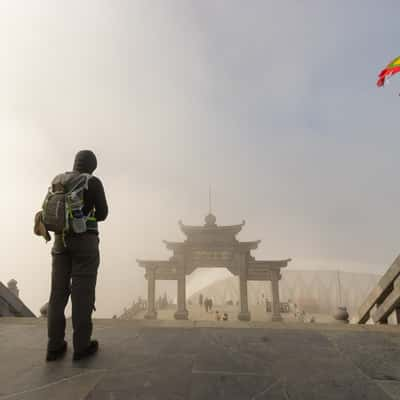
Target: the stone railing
(11, 304)
(382, 305)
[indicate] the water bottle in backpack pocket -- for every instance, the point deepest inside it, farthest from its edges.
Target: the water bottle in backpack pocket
(78, 219)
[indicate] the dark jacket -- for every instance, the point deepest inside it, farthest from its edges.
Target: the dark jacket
(94, 197)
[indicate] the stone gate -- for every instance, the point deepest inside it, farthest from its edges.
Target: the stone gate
(212, 246)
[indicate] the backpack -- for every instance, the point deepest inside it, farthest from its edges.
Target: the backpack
(63, 204)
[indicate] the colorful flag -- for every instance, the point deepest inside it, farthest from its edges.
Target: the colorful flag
(392, 68)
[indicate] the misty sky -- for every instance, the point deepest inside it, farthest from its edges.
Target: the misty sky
(272, 103)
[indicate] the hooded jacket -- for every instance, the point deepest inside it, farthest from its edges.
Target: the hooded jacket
(94, 197)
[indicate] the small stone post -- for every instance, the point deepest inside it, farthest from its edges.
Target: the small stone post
(244, 314)
(276, 304)
(151, 294)
(181, 312)
(396, 312)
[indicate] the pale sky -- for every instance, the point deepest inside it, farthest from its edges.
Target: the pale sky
(272, 103)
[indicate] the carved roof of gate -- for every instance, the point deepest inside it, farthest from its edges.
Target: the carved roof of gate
(212, 245)
(211, 232)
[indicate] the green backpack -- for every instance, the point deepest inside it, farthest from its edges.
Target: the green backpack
(63, 204)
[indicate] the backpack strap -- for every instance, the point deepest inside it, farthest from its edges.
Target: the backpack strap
(81, 184)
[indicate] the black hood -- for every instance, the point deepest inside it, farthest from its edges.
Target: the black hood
(85, 162)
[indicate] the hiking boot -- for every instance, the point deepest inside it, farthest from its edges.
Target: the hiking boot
(89, 351)
(53, 355)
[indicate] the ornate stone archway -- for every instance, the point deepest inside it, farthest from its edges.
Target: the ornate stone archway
(212, 246)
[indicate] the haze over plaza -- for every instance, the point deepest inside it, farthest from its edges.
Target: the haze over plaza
(284, 121)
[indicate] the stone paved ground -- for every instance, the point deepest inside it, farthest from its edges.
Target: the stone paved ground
(204, 361)
(197, 313)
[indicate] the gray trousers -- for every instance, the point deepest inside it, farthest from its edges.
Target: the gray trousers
(74, 272)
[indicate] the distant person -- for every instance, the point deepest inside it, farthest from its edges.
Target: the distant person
(75, 253)
(165, 300)
(206, 304)
(200, 299)
(210, 304)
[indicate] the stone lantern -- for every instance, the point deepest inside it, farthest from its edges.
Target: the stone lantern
(12, 287)
(341, 315)
(44, 310)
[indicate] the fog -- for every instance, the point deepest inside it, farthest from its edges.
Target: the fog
(274, 105)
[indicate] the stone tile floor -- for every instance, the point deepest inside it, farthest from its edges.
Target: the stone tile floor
(206, 360)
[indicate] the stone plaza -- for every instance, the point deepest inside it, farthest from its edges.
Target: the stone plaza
(189, 360)
(185, 354)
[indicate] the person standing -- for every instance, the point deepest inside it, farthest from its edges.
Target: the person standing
(76, 258)
(206, 304)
